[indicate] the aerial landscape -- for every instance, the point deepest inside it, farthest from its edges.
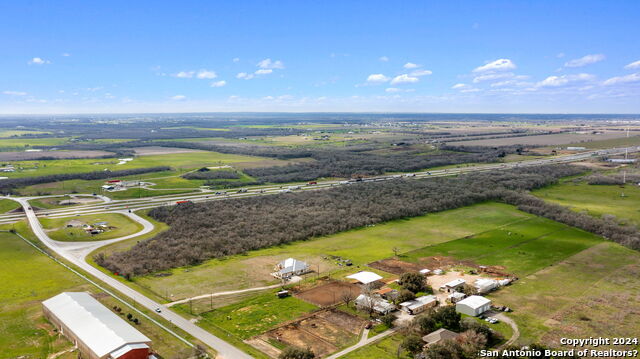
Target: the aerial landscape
(330, 180)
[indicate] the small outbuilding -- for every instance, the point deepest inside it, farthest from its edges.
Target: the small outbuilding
(473, 305)
(419, 304)
(485, 285)
(364, 277)
(439, 335)
(455, 297)
(455, 285)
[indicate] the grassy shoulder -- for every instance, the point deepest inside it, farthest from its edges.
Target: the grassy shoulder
(117, 225)
(386, 348)
(7, 205)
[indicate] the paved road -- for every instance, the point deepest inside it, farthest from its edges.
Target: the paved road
(224, 349)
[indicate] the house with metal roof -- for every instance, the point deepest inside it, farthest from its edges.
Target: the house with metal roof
(455, 285)
(419, 304)
(439, 335)
(290, 267)
(374, 302)
(96, 331)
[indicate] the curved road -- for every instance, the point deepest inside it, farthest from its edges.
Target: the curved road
(75, 256)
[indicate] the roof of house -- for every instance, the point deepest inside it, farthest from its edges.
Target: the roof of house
(455, 283)
(425, 271)
(99, 328)
(457, 295)
(483, 282)
(365, 277)
(385, 290)
(291, 265)
(474, 301)
(377, 303)
(438, 335)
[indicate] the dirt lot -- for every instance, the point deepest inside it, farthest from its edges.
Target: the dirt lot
(26, 156)
(324, 332)
(159, 150)
(329, 293)
(396, 266)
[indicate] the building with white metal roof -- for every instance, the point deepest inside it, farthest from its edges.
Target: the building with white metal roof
(290, 267)
(365, 277)
(94, 329)
(473, 305)
(419, 304)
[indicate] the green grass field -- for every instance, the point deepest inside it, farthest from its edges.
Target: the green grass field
(522, 248)
(7, 205)
(387, 348)
(593, 293)
(26, 278)
(254, 316)
(362, 246)
(122, 226)
(596, 200)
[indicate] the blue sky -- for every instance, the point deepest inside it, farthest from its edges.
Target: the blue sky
(411, 56)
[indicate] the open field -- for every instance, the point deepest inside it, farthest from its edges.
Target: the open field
(119, 226)
(63, 201)
(387, 348)
(159, 150)
(15, 144)
(546, 140)
(7, 205)
(26, 156)
(255, 315)
(587, 294)
(26, 278)
(521, 248)
(597, 200)
(361, 246)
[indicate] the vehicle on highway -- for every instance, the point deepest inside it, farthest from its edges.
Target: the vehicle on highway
(312, 183)
(242, 190)
(158, 310)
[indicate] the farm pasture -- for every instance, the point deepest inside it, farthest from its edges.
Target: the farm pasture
(545, 140)
(119, 226)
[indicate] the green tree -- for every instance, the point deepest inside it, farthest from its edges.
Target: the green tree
(297, 353)
(413, 344)
(414, 282)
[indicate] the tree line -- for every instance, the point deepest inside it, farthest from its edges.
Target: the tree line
(202, 231)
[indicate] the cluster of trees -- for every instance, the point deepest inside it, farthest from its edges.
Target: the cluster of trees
(615, 179)
(9, 185)
(606, 226)
(473, 336)
(211, 175)
(296, 353)
(412, 283)
(220, 228)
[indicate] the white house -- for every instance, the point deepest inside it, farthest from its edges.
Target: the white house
(419, 304)
(289, 268)
(375, 303)
(473, 305)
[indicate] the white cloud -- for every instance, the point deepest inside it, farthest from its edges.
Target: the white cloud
(377, 79)
(497, 65)
(263, 71)
(585, 60)
(623, 79)
(14, 93)
(179, 97)
(557, 81)
(490, 77)
(459, 86)
(220, 83)
(633, 65)
(236, 59)
(206, 74)
(38, 61)
(185, 74)
(404, 79)
(418, 73)
(268, 64)
(411, 65)
(396, 90)
(66, 54)
(244, 76)
(383, 59)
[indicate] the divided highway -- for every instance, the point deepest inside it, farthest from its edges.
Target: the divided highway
(76, 252)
